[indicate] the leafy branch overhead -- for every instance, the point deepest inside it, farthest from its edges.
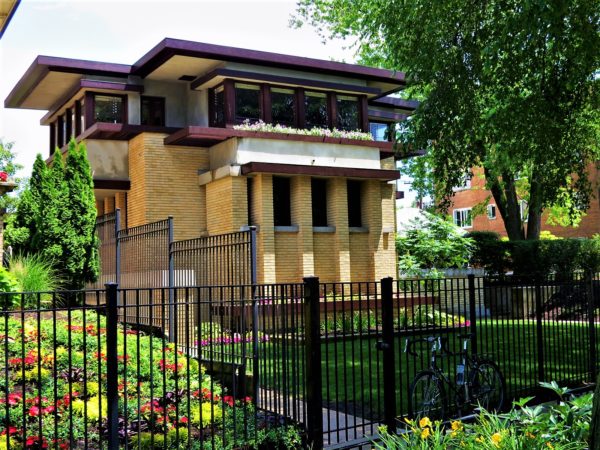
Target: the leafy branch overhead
(509, 86)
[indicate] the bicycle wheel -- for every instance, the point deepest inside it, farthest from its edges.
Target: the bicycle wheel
(488, 386)
(427, 397)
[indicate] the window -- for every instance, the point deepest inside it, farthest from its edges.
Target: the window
(347, 113)
(463, 218)
(247, 102)
(491, 211)
(217, 116)
(108, 108)
(315, 109)
(354, 192)
(524, 209)
(282, 214)
(381, 131)
(283, 105)
(465, 183)
(318, 191)
(153, 111)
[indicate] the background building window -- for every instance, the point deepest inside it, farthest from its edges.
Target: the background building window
(524, 209)
(283, 105)
(315, 107)
(282, 213)
(463, 218)
(109, 109)
(318, 191)
(247, 102)
(464, 183)
(153, 111)
(491, 211)
(354, 192)
(347, 113)
(381, 131)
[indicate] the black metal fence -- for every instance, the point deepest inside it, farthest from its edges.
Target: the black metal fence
(148, 256)
(175, 367)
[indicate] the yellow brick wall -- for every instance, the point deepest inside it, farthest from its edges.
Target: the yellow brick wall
(226, 205)
(287, 257)
(361, 259)
(164, 181)
(109, 205)
(262, 215)
(121, 203)
(302, 216)
(326, 261)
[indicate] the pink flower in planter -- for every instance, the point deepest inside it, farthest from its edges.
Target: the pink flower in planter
(3, 176)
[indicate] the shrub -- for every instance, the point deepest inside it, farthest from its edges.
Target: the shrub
(433, 242)
(489, 252)
(8, 283)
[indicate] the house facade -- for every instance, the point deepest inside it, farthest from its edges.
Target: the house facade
(164, 139)
(473, 193)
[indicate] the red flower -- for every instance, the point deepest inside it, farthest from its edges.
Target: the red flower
(228, 399)
(184, 420)
(3, 176)
(34, 411)
(11, 430)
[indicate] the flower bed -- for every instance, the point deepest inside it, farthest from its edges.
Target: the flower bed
(55, 390)
(263, 127)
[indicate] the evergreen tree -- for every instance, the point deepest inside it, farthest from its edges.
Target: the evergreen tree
(81, 250)
(21, 231)
(54, 214)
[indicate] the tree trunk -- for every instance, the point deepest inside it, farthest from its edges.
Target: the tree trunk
(595, 425)
(505, 195)
(534, 221)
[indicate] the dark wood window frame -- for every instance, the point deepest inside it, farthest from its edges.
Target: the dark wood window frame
(163, 108)
(261, 100)
(318, 194)
(90, 106)
(265, 104)
(354, 191)
(282, 201)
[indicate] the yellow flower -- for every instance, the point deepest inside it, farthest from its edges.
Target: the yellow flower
(408, 421)
(479, 439)
(425, 433)
(496, 439)
(453, 434)
(549, 445)
(530, 435)
(425, 422)
(456, 425)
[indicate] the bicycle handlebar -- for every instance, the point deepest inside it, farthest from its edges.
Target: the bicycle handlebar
(443, 343)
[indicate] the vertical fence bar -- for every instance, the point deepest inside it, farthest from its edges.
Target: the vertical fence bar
(589, 282)
(117, 247)
(255, 329)
(539, 329)
(389, 363)
(473, 312)
(172, 311)
(312, 341)
(112, 389)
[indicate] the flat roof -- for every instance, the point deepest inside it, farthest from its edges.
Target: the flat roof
(49, 78)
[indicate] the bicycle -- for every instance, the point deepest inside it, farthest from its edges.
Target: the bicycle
(478, 382)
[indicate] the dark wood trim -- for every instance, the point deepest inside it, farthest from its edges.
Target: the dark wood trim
(387, 116)
(59, 130)
(9, 17)
(89, 110)
(108, 85)
(122, 132)
(322, 171)
(300, 109)
(266, 111)
(116, 185)
(281, 80)
(69, 120)
(229, 100)
(363, 109)
(168, 48)
(332, 110)
(399, 103)
(78, 124)
(52, 138)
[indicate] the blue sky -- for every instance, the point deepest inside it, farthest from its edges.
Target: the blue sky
(122, 31)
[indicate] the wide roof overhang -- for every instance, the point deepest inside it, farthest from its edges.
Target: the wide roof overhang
(49, 78)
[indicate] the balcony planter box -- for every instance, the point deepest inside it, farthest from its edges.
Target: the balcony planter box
(304, 138)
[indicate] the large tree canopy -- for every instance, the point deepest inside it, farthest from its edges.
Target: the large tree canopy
(508, 85)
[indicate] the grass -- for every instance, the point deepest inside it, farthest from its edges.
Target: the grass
(353, 369)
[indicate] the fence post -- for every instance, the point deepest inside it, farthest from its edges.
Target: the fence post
(472, 311)
(255, 347)
(387, 346)
(172, 310)
(589, 283)
(117, 246)
(112, 388)
(313, 378)
(539, 329)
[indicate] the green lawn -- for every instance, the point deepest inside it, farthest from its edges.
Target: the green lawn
(353, 378)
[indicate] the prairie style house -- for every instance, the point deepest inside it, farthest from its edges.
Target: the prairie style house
(162, 139)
